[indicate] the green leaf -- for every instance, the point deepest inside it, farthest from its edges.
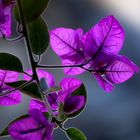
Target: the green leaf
(10, 62)
(30, 90)
(75, 134)
(81, 91)
(38, 35)
(4, 132)
(32, 9)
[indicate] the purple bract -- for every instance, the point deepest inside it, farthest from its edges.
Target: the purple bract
(6, 17)
(96, 50)
(32, 127)
(11, 98)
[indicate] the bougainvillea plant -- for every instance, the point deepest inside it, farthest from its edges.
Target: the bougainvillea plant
(51, 105)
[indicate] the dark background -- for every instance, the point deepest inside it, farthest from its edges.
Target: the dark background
(114, 116)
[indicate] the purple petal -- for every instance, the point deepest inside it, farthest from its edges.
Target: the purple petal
(26, 129)
(41, 119)
(14, 97)
(68, 85)
(106, 36)
(104, 83)
(7, 76)
(11, 99)
(35, 104)
(120, 70)
(5, 19)
(73, 104)
(33, 127)
(38, 116)
(41, 74)
(101, 61)
(73, 70)
(67, 44)
(52, 99)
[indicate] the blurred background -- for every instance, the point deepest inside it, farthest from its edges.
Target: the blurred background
(114, 116)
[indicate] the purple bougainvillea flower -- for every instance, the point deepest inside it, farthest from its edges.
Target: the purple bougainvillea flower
(67, 44)
(117, 70)
(120, 70)
(106, 36)
(14, 97)
(32, 127)
(36, 104)
(102, 44)
(72, 103)
(6, 17)
(50, 83)
(98, 49)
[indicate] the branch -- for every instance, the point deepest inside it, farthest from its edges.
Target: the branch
(32, 61)
(46, 102)
(33, 64)
(66, 66)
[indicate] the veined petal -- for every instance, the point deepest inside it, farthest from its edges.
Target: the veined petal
(106, 85)
(72, 103)
(10, 99)
(68, 85)
(41, 119)
(32, 127)
(7, 76)
(36, 104)
(73, 70)
(14, 97)
(120, 70)
(26, 129)
(38, 116)
(106, 36)
(67, 43)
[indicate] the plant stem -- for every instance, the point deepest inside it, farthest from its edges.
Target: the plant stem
(31, 58)
(33, 64)
(66, 66)
(57, 66)
(46, 103)
(60, 124)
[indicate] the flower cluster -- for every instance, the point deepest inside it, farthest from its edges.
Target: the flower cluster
(36, 125)
(71, 103)
(95, 51)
